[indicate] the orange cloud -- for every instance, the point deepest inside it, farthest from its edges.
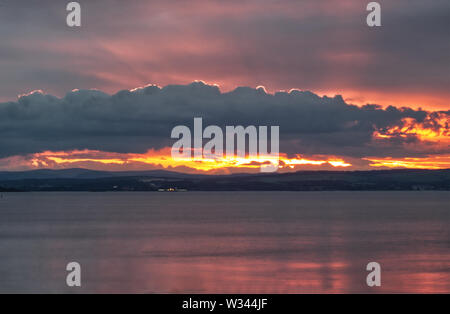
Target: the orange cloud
(435, 128)
(162, 159)
(431, 162)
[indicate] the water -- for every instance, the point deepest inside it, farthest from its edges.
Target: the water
(225, 242)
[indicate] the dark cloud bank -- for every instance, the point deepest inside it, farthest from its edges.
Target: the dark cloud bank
(135, 121)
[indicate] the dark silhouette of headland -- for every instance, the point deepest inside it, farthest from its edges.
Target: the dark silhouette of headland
(159, 180)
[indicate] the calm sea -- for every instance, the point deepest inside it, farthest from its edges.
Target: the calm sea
(225, 242)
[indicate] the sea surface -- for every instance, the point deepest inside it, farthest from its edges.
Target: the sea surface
(225, 242)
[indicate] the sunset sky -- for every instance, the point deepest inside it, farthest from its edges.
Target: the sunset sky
(106, 95)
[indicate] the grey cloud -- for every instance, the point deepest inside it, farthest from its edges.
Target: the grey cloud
(135, 121)
(314, 45)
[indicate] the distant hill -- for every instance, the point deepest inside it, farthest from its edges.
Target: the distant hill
(78, 173)
(88, 180)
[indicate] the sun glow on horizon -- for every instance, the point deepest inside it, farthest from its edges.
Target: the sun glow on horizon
(162, 158)
(429, 139)
(434, 162)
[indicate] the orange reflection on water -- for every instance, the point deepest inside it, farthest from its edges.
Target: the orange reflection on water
(227, 242)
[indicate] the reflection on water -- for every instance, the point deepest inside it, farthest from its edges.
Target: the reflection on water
(225, 242)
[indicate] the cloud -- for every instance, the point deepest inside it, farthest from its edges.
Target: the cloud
(142, 119)
(323, 46)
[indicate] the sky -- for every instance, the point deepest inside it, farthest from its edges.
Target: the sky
(346, 96)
